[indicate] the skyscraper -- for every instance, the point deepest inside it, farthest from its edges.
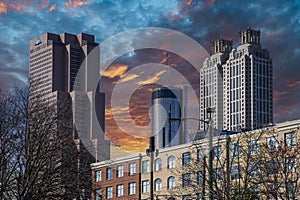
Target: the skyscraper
(168, 108)
(54, 64)
(238, 83)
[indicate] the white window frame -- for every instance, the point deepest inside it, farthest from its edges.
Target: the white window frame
(98, 175)
(98, 194)
(290, 139)
(158, 164)
(109, 192)
(171, 162)
(145, 186)
(186, 158)
(235, 150)
(291, 164)
(109, 174)
(120, 170)
(132, 188)
(132, 168)
(272, 142)
(254, 147)
(171, 182)
(158, 184)
(120, 190)
(217, 151)
(145, 166)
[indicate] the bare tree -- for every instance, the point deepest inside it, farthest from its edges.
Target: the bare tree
(246, 165)
(39, 156)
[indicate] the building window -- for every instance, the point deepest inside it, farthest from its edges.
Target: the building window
(171, 162)
(98, 176)
(272, 191)
(254, 147)
(272, 143)
(290, 164)
(235, 172)
(98, 195)
(187, 197)
(218, 174)
(200, 177)
(290, 139)
(145, 186)
(109, 192)
(120, 171)
(186, 158)
(186, 180)
(132, 168)
(120, 190)
(272, 166)
(132, 188)
(253, 169)
(145, 166)
(157, 184)
(217, 151)
(291, 190)
(109, 173)
(158, 164)
(235, 149)
(200, 154)
(171, 182)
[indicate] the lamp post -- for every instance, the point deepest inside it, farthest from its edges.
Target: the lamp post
(210, 146)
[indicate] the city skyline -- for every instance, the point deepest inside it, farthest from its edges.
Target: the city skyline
(201, 20)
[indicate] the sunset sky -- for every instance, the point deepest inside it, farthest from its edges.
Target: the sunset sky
(279, 22)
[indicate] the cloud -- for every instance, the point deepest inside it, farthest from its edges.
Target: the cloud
(76, 3)
(5, 7)
(114, 71)
(153, 78)
(52, 7)
(129, 77)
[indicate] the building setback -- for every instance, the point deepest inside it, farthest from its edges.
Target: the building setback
(238, 83)
(54, 63)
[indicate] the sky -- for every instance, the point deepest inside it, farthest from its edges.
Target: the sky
(204, 21)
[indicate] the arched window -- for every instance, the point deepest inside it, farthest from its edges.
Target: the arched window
(171, 182)
(158, 164)
(158, 185)
(171, 162)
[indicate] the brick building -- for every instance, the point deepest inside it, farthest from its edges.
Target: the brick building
(117, 178)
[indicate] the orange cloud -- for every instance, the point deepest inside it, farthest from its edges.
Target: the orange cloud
(52, 7)
(4, 7)
(45, 4)
(76, 3)
(129, 77)
(114, 71)
(294, 83)
(152, 79)
(24, 5)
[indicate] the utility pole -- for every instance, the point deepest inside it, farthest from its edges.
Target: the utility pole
(150, 152)
(210, 154)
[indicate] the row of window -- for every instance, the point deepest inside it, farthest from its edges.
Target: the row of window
(120, 172)
(158, 164)
(119, 191)
(254, 146)
(158, 184)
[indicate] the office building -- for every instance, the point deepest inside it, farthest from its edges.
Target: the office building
(54, 64)
(168, 110)
(238, 83)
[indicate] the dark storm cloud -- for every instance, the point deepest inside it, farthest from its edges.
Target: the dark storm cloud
(279, 22)
(204, 21)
